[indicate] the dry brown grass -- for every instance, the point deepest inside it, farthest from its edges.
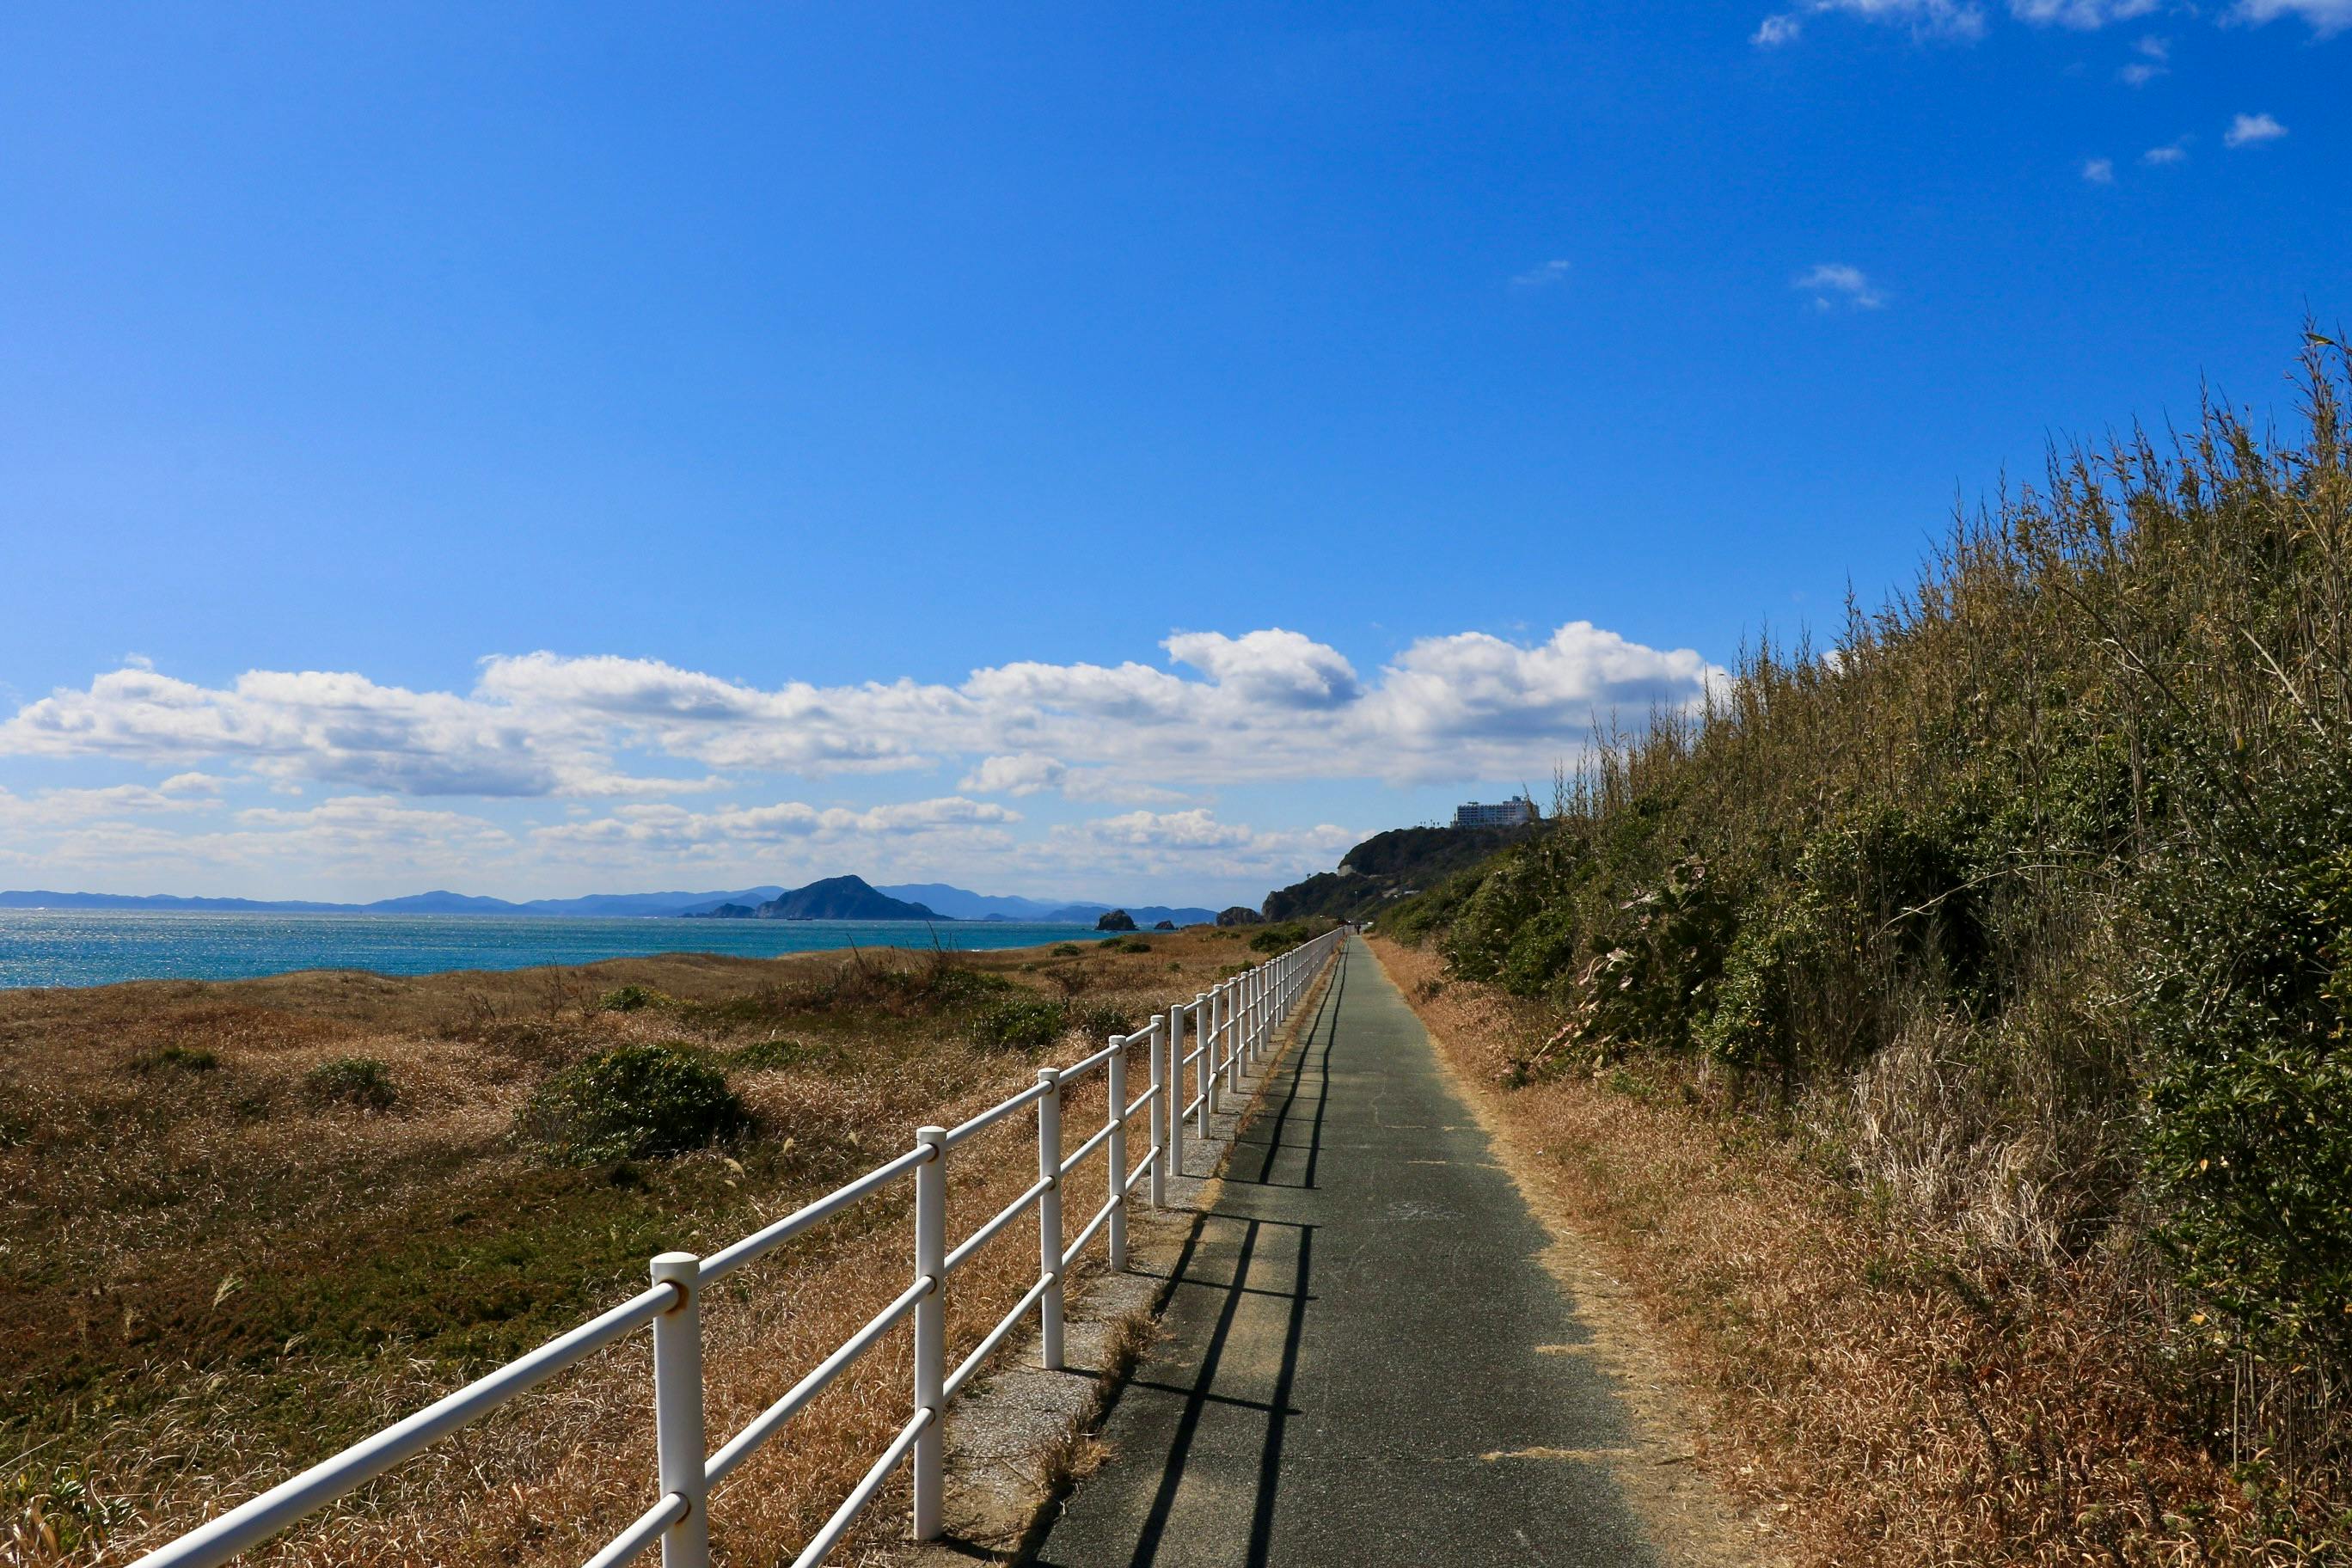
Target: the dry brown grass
(1892, 1392)
(212, 1279)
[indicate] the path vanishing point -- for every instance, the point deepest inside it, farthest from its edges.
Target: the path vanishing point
(1360, 1356)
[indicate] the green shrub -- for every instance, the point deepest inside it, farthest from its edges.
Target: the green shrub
(1112, 942)
(1067, 950)
(634, 1102)
(2248, 1000)
(1019, 1024)
(1278, 939)
(360, 1081)
(632, 999)
(1131, 946)
(1097, 1021)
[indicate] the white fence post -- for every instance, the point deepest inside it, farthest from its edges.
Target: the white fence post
(1209, 1072)
(1115, 1080)
(677, 1409)
(930, 1329)
(1049, 1219)
(1158, 1184)
(1176, 1088)
(1235, 1032)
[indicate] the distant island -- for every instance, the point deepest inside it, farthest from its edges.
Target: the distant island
(935, 901)
(833, 899)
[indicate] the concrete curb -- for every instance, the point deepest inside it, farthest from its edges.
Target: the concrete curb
(1020, 1434)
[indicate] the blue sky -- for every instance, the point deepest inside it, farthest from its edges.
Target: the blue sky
(1112, 451)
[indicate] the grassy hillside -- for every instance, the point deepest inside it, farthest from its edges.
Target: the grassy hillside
(243, 1223)
(1388, 866)
(2027, 906)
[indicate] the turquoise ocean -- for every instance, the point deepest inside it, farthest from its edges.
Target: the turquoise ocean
(100, 947)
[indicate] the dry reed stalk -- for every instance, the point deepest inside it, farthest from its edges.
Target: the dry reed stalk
(1890, 1395)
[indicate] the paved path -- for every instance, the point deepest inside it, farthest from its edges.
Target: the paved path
(1352, 1371)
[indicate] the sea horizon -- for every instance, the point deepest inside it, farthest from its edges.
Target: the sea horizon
(42, 949)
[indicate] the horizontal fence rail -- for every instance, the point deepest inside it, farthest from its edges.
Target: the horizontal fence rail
(1232, 1025)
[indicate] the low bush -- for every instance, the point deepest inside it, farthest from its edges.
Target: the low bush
(631, 999)
(362, 1082)
(1278, 939)
(1097, 1021)
(1019, 1024)
(1131, 946)
(1067, 950)
(634, 1102)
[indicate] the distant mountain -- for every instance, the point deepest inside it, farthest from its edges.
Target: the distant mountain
(834, 898)
(965, 905)
(937, 901)
(167, 903)
(438, 902)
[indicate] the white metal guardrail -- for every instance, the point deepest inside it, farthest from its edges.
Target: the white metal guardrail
(1231, 1025)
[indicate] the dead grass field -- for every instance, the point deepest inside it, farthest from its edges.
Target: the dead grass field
(1883, 1394)
(213, 1274)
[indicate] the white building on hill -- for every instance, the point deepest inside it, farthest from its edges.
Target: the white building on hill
(1512, 813)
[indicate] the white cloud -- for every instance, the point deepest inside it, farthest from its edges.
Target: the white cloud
(606, 737)
(1932, 18)
(1544, 275)
(1832, 282)
(2250, 130)
(2099, 170)
(2325, 15)
(63, 807)
(731, 834)
(1774, 31)
(2083, 15)
(2153, 52)
(1194, 844)
(1279, 669)
(1266, 704)
(2170, 153)
(1015, 776)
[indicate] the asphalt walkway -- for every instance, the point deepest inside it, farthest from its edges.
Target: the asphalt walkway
(1362, 1360)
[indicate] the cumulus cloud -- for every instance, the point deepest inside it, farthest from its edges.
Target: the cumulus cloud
(1832, 283)
(1015, 776)
(728, 833)
(1543, 276)
(2153, 52)
(1196, 844)
(1964, 21)
(2252, 130)
(2099, 170)
(1279, 669)
(1266, 704)
(2082, 15)
(1924, 19)
(2325, 15)
(62, 807)
(2170, 153)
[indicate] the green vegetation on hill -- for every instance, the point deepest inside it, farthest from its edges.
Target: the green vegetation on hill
(1387, 867)
(2033, 899)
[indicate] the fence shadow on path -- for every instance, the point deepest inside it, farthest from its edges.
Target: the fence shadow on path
(1247, 1262)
